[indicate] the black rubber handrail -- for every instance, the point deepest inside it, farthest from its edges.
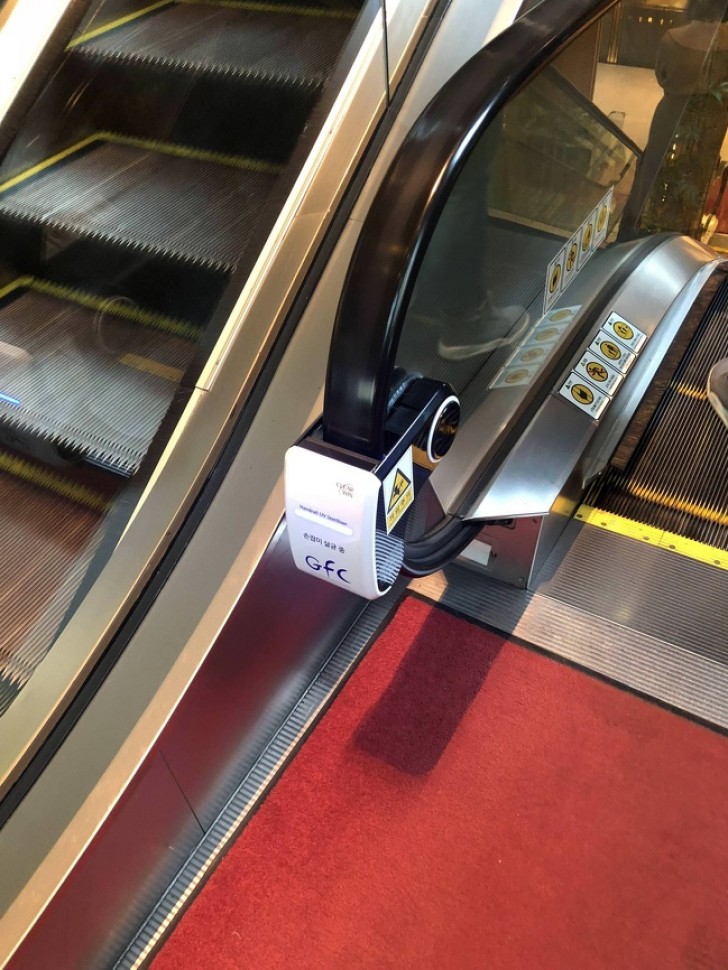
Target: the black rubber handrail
(406, 209)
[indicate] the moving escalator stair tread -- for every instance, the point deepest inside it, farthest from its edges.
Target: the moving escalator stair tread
(134, 210)
(128, 195)
(48, 532)
(91, 382)
(291, 46)
(677, 476)
(236, 78)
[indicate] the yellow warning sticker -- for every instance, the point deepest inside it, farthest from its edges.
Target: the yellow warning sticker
(586, 238)
(586, 242)
(610, 350)
(399, 492)
(623, 330)
(563, 314)
(597, 371)
(401, 484)
(564, 267)
(603, 211)
(571, 255)
(532, 354)
(555, 279)
(554, 273)
(582, 393)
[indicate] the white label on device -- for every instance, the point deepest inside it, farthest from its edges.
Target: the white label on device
(331, 515)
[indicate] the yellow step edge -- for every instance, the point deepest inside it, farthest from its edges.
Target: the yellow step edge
(697, 394)
(15, 285)
(235, 4)
(157, 321)
(658, 497)
(148, 366)
(198, 154)
(72, 491)
(180, 151)
(113, 24)
(690, 548)
(47, 163)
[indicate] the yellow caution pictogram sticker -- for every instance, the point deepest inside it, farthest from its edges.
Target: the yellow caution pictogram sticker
(602, 218)
(401, 484)
(610, 350)
(557, 316)
(399, 492)
(516, 376)
(555, 279)
(571, 255)
(597, 371)
(586, 239)
(582, 394)
(623, 330)
(532, 354)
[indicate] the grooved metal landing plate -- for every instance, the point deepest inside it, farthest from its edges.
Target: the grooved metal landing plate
(642, 616)
(291, 49)
(46, 544)
(86, 380)
(155, 202)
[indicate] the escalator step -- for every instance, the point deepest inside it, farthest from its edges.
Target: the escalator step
(290, 46)
(677, 478)
(48, 533)
(129, 194)
(91, 383)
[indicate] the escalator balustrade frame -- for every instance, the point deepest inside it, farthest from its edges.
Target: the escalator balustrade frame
(233, 368)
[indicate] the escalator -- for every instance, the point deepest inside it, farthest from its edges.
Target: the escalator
(123, 222)
(510, 376)
(174, 181)
(529, 292)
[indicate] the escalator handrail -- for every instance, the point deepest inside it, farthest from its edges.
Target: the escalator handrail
(408, 204)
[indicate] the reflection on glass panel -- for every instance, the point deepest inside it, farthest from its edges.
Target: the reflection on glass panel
(674, 105)
(549, 162)
(589, 136)
(131, 202)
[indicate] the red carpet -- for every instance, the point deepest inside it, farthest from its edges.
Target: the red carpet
(469, 803)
